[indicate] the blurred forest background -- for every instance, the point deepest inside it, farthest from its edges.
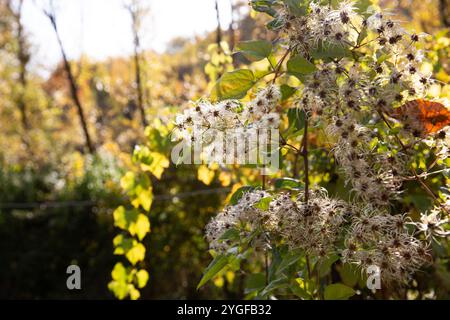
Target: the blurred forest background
(66, 139)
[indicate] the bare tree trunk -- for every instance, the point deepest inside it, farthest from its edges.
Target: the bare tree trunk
(444, 9)
(231, 32)
(219, 29)
(73, 84)
(139, 91)
(135, 20)
(23, 58)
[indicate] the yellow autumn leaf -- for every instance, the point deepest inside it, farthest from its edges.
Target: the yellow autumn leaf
(142, 278)
(136, 254)
(205, 175)
(142, 226)
(158, 164)
(225, 178)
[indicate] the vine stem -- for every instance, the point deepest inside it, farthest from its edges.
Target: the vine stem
(279, 65)
(413, 170)
(266, 262)
(305, 159)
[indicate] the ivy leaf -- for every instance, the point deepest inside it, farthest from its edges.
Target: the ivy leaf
(119, 285)
(214, 268)
(144, 197)
(119, 288)
(338, 291)
(142, 226)
(157, 165)
(119, 272)
(124, 218)
(233, 85)
(128, 181)
(205, 175)
(239, 193)
(142, 278)
(136, 253)
(134, 293)
(122, 244)
(299, 66)
(255, 50)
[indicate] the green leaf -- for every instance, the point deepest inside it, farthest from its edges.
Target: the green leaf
(255, 50)
(324, 265)
(362, 35)
(330, 51)
(213, 269)
(287, 183)
(299, 288)
(299, 66)
(338, 291)
(255, 282)
(275, 24)
(239, 193)
(349, 274)
(264, 6)
(297, 7)
(286, 91)
(296, 118)
(231, 234)
(279, 283)
(264, 203)
(289, 260)
(233, 85)
(362, 6)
